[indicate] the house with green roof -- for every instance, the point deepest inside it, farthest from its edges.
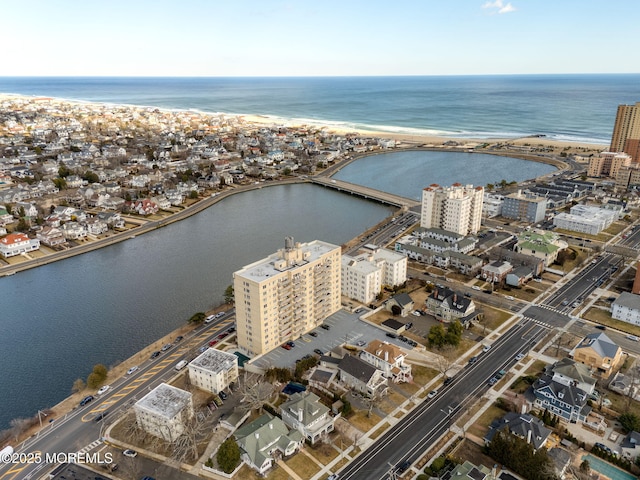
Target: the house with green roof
(304, 412)
(264, 439)
(543, 245)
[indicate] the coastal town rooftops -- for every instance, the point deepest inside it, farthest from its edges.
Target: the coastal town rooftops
(165, 400)
(277, 263)
(215, 361)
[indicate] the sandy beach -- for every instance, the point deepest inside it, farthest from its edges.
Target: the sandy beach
(534, 142)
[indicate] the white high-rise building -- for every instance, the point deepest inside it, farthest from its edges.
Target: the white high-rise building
(457, 208)
(285, 295)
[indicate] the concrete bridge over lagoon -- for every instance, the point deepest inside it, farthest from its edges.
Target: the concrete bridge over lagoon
(365, 192)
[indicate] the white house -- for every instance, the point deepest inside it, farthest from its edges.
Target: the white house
(304, 412)
(388, 358)
(17, 244)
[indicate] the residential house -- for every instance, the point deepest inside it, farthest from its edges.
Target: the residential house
(51, 236)
(599, 352)
(74, 231)
(468, 471)
(17, 244)
(519, 276)
(630, 445)
(96, 226)
(523, 425)
(362, 376)
(388, 358)
(566, 401)
(30, 210)
(304, 412)
(265, 438)
(569, 372)
(449, 305)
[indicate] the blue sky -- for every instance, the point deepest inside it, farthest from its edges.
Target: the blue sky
(302, 38)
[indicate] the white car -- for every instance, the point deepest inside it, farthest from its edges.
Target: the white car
(132, 370)
(633, 337)
(508, 297)
(104, 389)
(475, 287)
(519, 356)
(432, 393)
(486, 348)
(415, 313)
(130, 453)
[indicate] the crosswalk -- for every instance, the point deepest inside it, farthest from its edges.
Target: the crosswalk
(90, 447)
(539, 322)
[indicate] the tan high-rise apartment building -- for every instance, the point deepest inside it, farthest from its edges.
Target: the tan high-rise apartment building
(608, 164)
(285, 295)
(457, 208)
(626, 130)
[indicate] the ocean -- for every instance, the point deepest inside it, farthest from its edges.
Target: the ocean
(579, 108)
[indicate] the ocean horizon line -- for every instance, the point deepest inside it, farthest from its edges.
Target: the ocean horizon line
(254, 77)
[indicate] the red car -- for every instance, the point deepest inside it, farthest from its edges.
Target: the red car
(212, 343)
(286, 347)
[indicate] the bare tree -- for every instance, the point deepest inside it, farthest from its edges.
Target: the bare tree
(255, 390)
(446, 358)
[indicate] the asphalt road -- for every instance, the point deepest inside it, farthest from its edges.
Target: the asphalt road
(422, 427)
(78, 431)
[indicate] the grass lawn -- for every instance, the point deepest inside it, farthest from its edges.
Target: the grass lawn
(379, 431)
(302, 465)
(602, 316)
(536, 368)
(276, 473)
(391, 402)
(362, 422)
(621, 404)
(323, 453)
(421, 376)
(493, 318)
(481, 425)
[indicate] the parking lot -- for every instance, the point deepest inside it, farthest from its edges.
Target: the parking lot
(344, 328)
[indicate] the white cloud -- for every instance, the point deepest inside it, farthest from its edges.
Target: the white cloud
(499, 6)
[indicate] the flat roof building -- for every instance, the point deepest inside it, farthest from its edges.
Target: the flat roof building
(526, 207)
(285, 295)
(457, 208)
(164, 411)
(213, 370)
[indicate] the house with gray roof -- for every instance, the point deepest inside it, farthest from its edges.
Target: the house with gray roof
(449, 305)
(263, 439)
(566, 401)
(627, 308)
(569, 372)
(304, 412)
(362, 376)
(526, 426)
(599, 352)
(630, 445)
(401, 303)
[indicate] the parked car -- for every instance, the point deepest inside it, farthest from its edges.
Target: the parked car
(486, 348)
(179, 338)
(318, 351)
(286, 346)
(392, 335)
(432, 393)
(86, 400)
(633, 337)
(447, 381)
(155, 354)
(326, 327)
(493, 381)
(166, 347)
(473, 360)
(601, 327)
(519, 356)
(291, 344)
(403, 467)
(104, 389)
(132, 370)
(130, 453)
(223, 395)
(361, 343)
(313, 334)
(212, 343)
